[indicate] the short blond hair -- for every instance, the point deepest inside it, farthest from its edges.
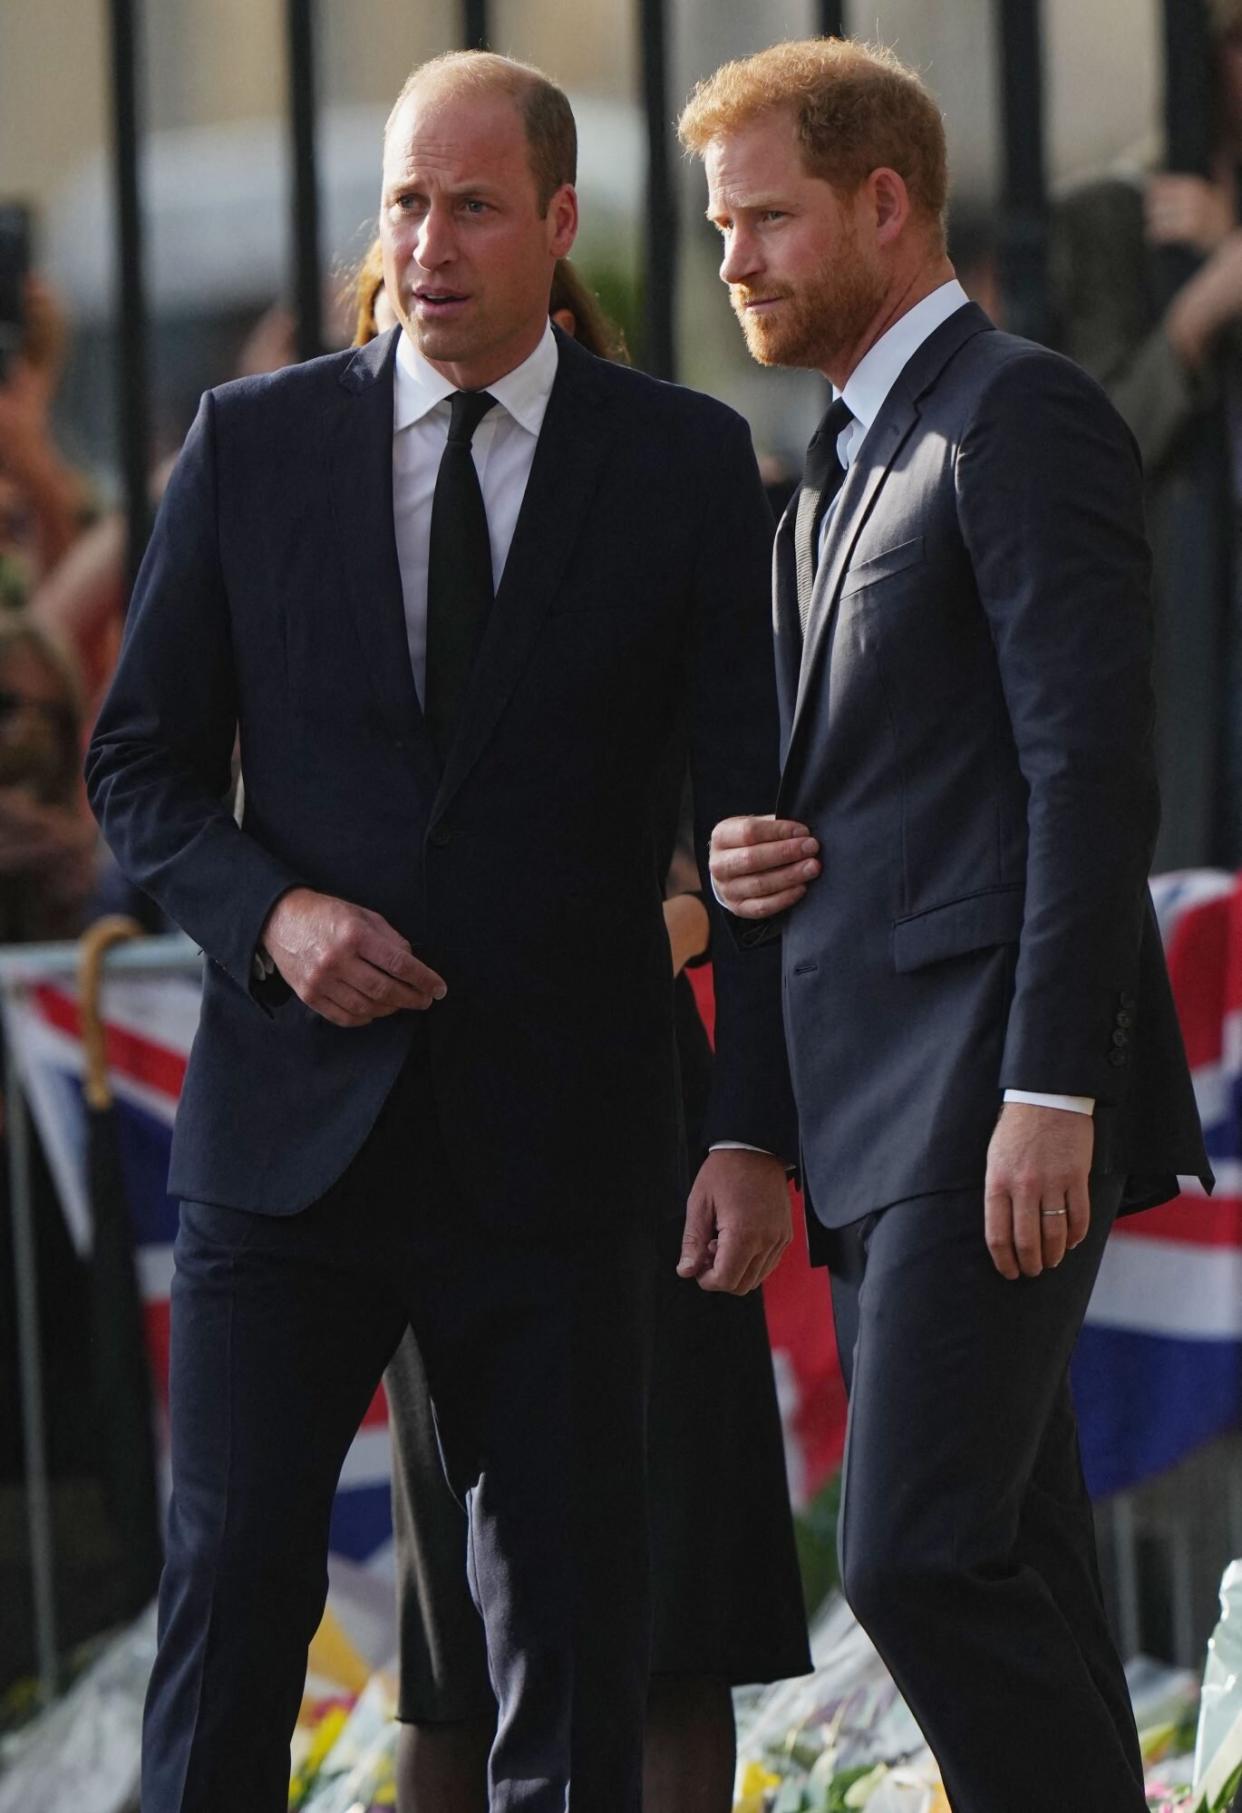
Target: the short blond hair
(857, 108)
(551, 133)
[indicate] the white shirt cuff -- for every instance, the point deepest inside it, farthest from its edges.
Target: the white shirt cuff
(1072, 1104)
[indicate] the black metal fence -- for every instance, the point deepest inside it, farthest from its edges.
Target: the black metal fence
(1020, 39)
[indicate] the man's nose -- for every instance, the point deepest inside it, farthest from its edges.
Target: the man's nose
(741, 259)
(434, 246)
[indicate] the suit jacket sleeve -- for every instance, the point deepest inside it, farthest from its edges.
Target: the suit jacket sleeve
(1050, 507)
(734, 745)
(158, 767)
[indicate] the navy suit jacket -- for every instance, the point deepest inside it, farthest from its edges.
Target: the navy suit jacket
(968, 732)
(632, 610)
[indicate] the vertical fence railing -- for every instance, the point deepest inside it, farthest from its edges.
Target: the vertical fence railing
(1189, 101)
(660, 239)
(304, 186)
(1189, 114)
(1024, 200)
(133, 409)
(474, 25)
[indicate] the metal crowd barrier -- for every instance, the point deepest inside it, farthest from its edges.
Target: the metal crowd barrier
(20, 967)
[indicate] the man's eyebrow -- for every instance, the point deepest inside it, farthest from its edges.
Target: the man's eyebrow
(749, 204)
(402, 184)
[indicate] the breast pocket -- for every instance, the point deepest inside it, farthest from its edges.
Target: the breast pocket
(885, 565)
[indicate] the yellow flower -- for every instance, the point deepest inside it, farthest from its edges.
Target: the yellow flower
(756, 1781)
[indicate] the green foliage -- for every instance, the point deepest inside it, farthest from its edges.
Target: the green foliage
(840, 1786)
(815, 1531)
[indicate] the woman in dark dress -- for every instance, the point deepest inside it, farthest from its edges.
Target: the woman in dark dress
(727, 1597)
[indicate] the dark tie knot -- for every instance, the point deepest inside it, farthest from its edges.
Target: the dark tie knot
(468, 409)
(823, 462)
(834, 422)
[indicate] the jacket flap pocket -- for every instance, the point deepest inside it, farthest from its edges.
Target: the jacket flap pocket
(883, 566)
(970, 924)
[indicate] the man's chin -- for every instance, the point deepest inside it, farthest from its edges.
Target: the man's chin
(767, 346)
(443, 341)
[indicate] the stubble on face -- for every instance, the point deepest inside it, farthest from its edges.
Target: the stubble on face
(810, 321)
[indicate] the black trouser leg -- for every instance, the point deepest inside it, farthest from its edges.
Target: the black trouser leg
(536, 1353)
(280, 1331)
(966, 1539)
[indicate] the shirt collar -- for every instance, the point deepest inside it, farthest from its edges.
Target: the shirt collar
(879, 369)
(523, 392)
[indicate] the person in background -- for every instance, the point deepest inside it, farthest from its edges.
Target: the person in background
(48, 876)
(44, 504)
(48, 845)
(725, 1588)
(80, 603)
(1145, 285)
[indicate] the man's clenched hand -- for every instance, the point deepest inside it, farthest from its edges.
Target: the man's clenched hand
(760, 866)
(345, 961)
(738, 1221)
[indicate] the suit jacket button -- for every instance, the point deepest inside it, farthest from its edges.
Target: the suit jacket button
(1117, 1057)
(1121, 1038)
(1125, 1019)
(440, 837)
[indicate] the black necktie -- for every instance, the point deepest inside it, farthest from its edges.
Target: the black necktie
(459, 571)
(822, 477)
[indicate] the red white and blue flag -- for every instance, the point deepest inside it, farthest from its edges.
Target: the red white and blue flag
(1158, 1368)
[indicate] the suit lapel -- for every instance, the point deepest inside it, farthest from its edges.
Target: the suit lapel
(867, 473)
(853, 505)
(361, 479)
(569, 458)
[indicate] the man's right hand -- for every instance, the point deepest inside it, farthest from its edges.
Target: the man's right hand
(346, 962)
(760, 866)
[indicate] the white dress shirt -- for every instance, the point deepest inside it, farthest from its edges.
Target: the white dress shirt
(865, 392)
(504, 451)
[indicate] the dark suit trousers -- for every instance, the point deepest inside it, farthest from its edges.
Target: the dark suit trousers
(967, 1546)
(536, 1354)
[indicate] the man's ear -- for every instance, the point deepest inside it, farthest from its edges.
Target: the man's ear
(562, 219)
(890, 200)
